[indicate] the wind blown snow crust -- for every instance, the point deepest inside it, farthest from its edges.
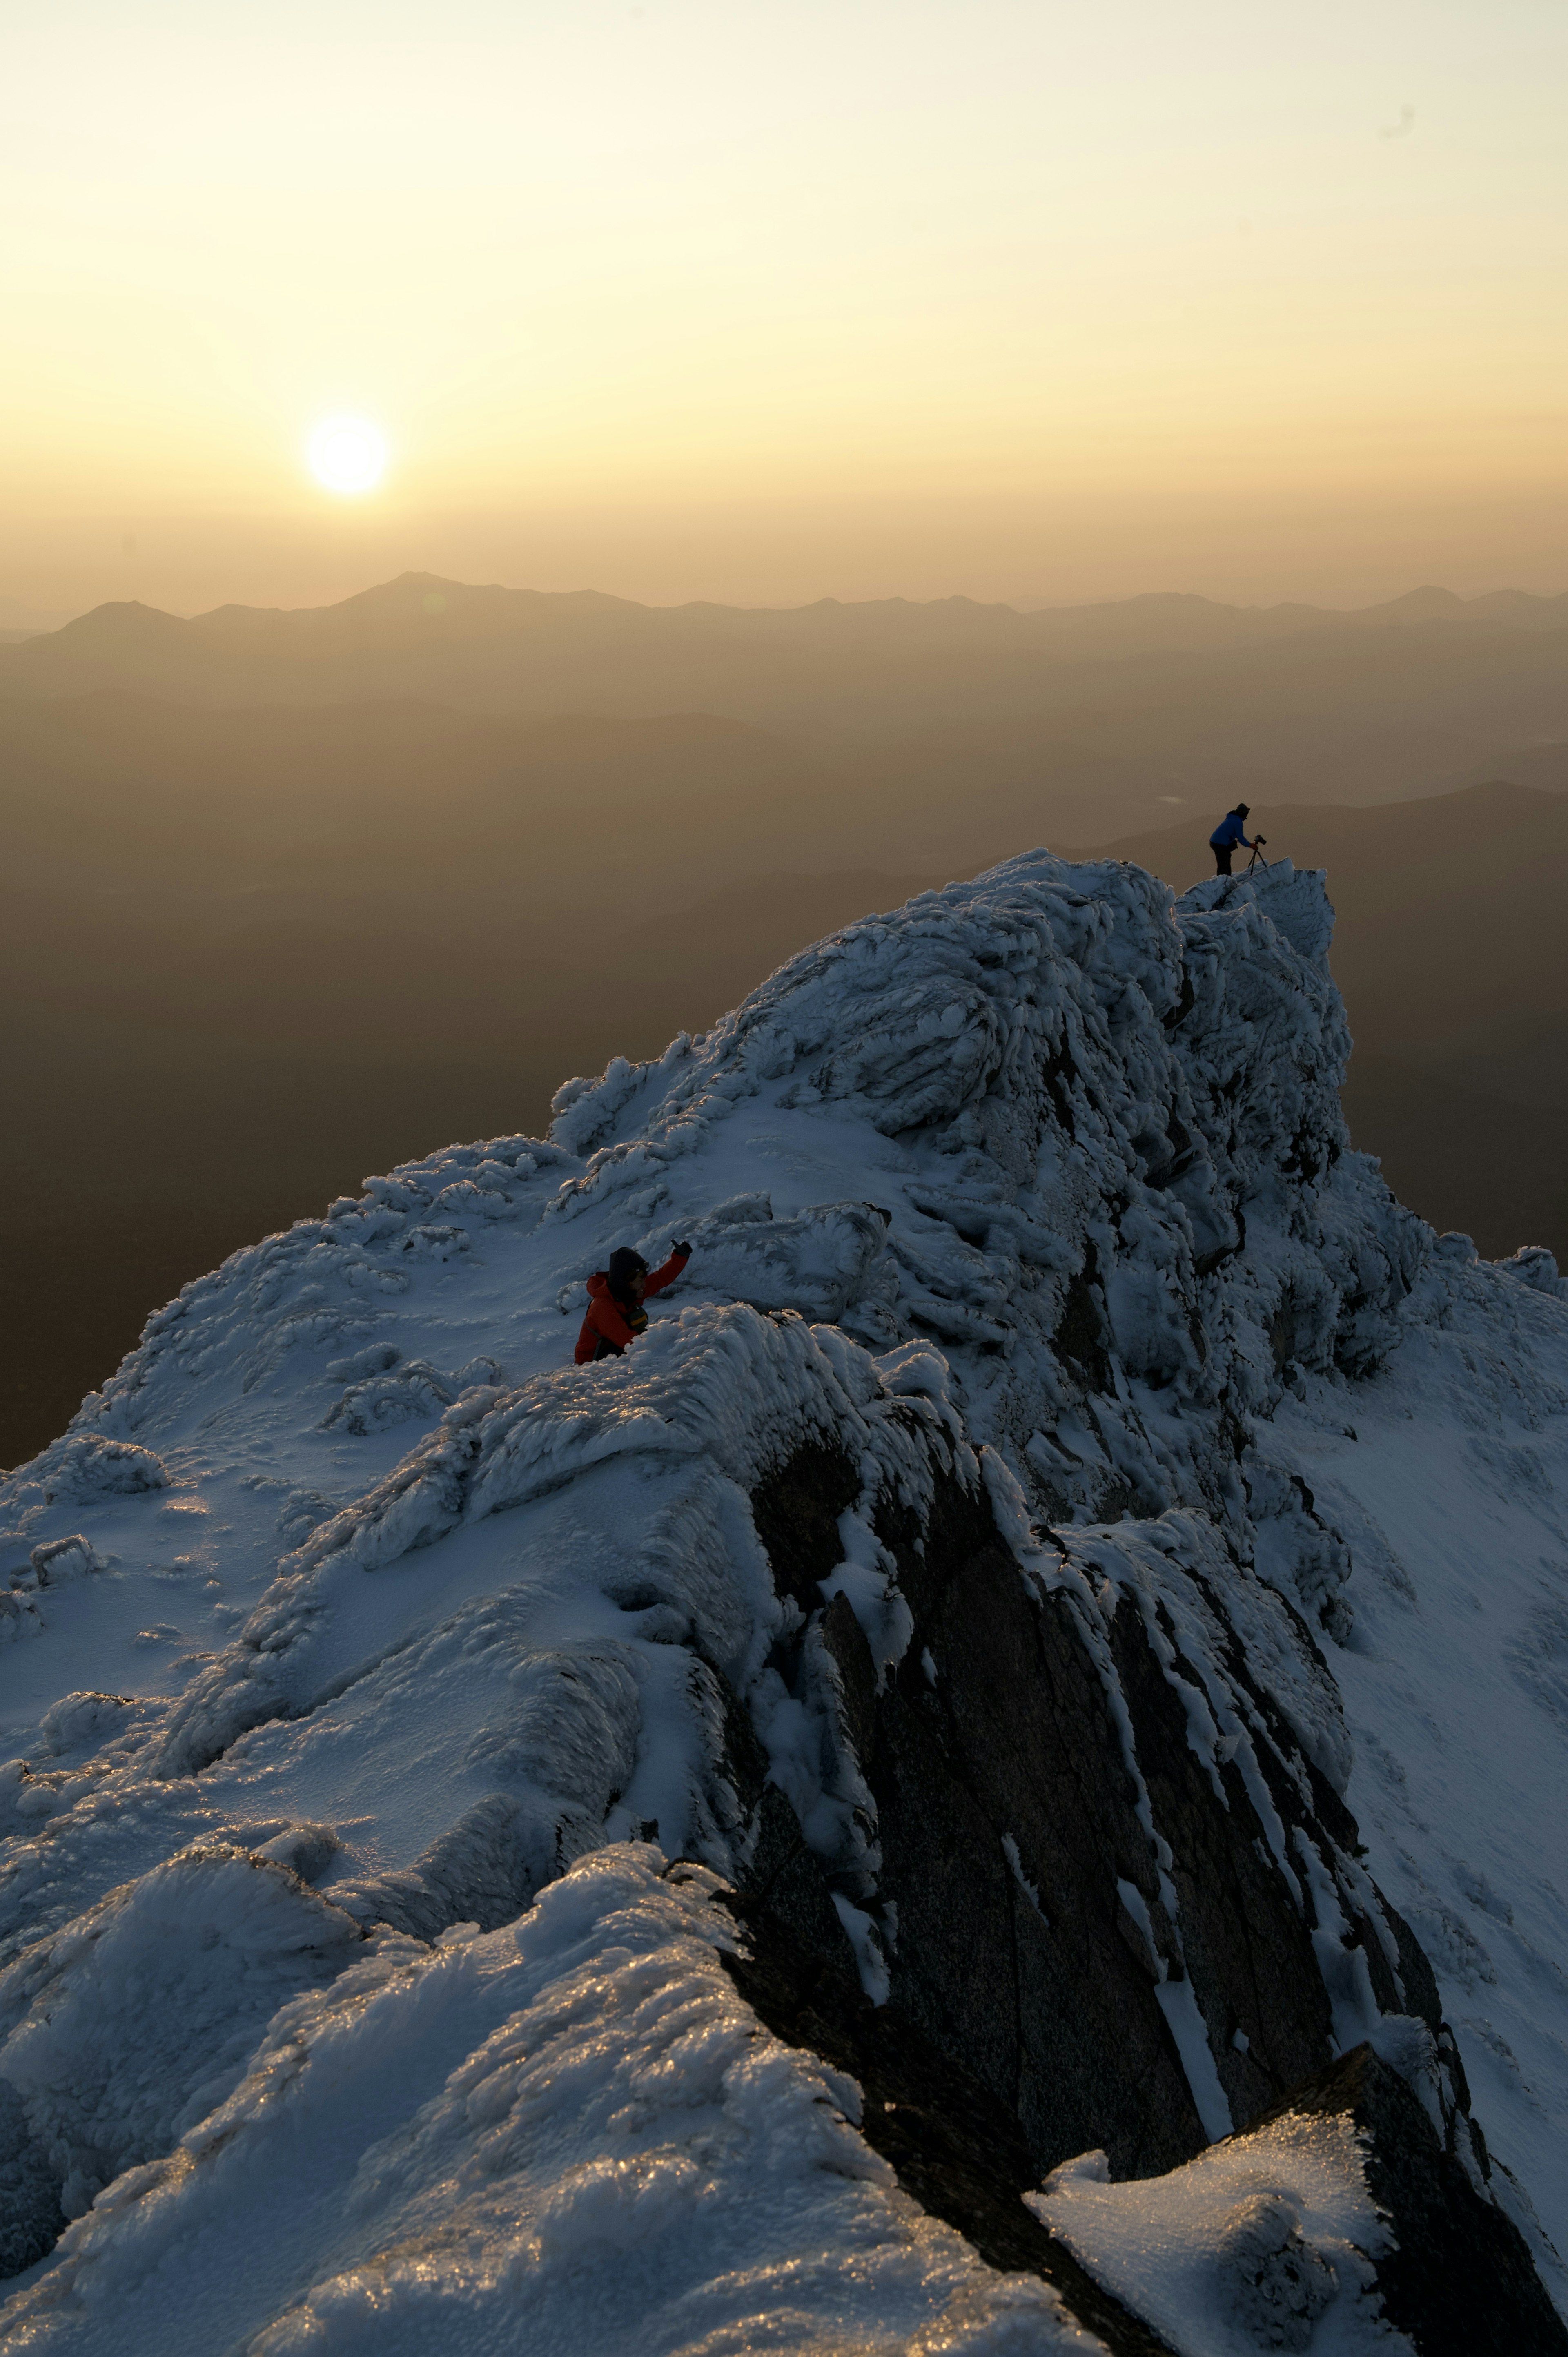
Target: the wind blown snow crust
(367, 1659)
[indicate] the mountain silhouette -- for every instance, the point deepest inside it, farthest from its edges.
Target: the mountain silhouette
(1372, 705)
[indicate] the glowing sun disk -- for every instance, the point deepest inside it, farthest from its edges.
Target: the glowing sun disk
(348, 454)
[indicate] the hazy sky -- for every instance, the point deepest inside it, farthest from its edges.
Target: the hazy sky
(713, 297)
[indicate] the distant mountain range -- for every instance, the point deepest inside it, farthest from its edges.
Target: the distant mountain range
(426, 618)
(1160, 697)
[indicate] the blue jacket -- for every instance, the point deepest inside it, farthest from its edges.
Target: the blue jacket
(1229, 832)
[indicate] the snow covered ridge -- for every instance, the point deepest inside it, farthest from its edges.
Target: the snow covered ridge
(1073, 1555)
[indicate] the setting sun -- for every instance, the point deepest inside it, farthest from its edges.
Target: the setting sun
(348, 454)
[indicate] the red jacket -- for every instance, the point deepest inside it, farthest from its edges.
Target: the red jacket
(605, 1330)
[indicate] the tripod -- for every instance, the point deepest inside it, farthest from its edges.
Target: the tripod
(1257, 858)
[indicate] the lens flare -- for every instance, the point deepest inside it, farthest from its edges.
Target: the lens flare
(348, 454)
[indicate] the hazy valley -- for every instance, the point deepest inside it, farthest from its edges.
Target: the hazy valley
(255, 949)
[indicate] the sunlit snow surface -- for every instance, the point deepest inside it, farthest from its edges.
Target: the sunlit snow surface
(382, 1615)
(1263, 2242)
(568, 2133)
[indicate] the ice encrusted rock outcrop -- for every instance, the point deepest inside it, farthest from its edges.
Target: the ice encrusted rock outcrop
(939, 1581)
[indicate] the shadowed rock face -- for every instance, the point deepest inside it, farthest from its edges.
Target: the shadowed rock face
(1458, 2280)
(1046, 1865)
(955, 2148)
(31, 2218)
(1051, 1852)
(1047, 1991)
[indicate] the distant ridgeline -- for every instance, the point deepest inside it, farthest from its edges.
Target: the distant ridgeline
(842, 1827)
(1149, 701)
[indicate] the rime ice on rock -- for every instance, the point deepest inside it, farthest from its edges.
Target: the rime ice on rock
(960, 1566)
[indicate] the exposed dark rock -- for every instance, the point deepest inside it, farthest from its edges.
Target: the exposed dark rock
(1184, 1005)
(1079, 1336)
(786, 1879)
(32, 2220)
(1020, 1894)
(782, 1875)
(1248, 1946)
(954, 2149)
(1026, 1974)
(1460, 2281)
(845, 1641)
(1205, 1263)
(796, 1507)
(1020, 1902)
(1060, 1072)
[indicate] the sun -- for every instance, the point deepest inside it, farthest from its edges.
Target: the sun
(348, 454)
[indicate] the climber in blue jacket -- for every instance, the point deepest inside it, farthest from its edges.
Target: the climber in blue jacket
(1231, 831)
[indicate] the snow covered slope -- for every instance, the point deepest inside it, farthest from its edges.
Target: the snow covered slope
(1072, 1554)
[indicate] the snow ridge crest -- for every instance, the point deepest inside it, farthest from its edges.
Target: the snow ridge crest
(1022, 1217)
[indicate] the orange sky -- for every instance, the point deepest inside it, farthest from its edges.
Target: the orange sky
(699, 297)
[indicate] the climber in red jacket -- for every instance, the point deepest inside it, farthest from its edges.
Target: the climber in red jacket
(616, 1297)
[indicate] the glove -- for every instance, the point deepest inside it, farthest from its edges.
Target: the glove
(684, 1249)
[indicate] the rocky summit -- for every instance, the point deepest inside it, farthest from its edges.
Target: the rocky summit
(992, 1785)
